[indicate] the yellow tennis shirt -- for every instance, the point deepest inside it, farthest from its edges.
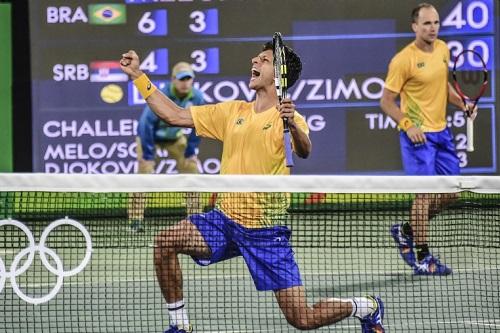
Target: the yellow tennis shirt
(421, 79)
(252, 144)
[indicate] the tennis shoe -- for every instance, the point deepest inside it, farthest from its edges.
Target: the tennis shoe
(136, 226)
(175, 329)
(405, 245)
(431, 265)
(373, 322)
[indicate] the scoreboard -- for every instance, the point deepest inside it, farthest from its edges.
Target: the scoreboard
(85, 112)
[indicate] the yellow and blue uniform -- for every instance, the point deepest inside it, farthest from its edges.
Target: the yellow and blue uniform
(248, 224)
(421, 80)
(253, 144)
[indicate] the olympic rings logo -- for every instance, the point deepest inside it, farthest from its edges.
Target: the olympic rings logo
(44, 251)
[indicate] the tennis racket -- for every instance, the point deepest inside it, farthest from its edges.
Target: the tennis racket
(470, 82)
(280, 81)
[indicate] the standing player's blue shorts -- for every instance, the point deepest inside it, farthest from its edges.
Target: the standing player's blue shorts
(266, 251)
(436, 157)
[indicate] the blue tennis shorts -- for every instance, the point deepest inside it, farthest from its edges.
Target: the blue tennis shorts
(266, 251)
(436, 157)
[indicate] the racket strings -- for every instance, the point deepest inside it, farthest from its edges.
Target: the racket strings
(470, 78)
(470, 75)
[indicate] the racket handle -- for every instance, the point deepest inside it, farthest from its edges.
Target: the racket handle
(470, 134)
(288, 148)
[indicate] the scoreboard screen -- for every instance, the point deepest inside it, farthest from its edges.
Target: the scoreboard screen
(85, 111)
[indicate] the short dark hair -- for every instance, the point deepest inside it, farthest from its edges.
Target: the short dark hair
(293, 63)
(416, 11)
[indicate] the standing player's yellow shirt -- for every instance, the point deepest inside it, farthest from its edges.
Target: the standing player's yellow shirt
(421, 79)
(252, 144)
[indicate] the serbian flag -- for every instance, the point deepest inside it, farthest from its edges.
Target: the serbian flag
(106, 71)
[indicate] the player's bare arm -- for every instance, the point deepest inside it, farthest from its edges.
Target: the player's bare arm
(389, 106)
(455, 99)
(167, 110)
(302, 144)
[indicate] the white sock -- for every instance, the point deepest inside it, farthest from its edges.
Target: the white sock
(362, 306)
(178, 314)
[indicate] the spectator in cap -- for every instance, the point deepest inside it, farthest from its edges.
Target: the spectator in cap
(181, 144)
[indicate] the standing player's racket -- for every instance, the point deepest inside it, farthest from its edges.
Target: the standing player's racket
(470, 83)
(280, 80)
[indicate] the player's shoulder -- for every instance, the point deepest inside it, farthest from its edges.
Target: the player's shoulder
(230, 107)
(238, 107)
(236, 104)
(406, 52)
(404, 55)
(441, 45)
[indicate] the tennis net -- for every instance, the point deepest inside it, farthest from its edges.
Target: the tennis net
(70, 260)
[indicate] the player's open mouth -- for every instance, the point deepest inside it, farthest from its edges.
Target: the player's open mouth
(255, 73)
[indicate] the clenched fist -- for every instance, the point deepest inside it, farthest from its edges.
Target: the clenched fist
(129, 64)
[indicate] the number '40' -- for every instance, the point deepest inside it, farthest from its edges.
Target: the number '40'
(458, 19)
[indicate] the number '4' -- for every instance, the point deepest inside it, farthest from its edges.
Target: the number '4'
(149, 63)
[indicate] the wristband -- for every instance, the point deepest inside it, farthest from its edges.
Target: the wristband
(405, 124)
(145, 86)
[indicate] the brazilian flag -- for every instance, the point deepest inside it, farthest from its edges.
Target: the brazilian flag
(107, 13)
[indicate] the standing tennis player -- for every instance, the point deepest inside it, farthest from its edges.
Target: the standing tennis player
(419, 75)
(249, 224)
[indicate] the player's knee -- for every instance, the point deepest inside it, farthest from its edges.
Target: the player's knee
(174, 238)
(301, 322)
(166, 241)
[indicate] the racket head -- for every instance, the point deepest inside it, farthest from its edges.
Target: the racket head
(281, 83)
(470, 75)
(280, 68)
